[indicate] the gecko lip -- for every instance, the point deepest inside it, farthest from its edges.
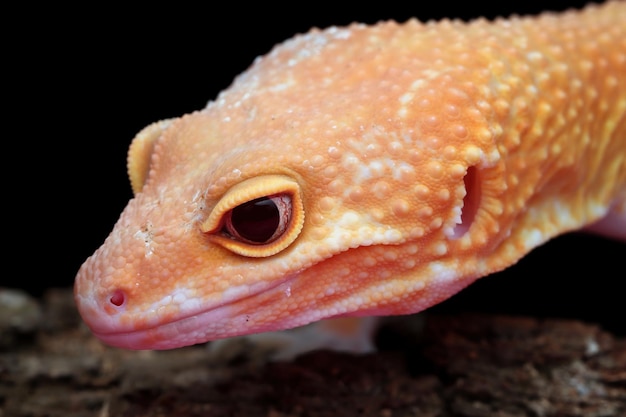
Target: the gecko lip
(219, 321)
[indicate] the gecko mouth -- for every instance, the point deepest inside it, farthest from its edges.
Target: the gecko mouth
(226, 319)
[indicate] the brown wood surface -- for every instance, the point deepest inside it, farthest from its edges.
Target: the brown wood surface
(456, 365)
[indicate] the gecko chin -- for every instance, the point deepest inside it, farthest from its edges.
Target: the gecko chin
(114, 321)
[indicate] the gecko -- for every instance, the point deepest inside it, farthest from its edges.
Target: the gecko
(365, 171)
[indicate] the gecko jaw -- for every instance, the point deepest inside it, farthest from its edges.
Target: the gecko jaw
(222, 320)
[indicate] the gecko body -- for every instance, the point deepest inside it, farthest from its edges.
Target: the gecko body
(365, 171)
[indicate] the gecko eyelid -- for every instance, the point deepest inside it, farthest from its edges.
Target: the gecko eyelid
(258, 217)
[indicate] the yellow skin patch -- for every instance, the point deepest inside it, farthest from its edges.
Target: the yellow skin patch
(406, 161)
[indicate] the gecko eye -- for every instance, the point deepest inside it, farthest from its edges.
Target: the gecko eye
(258, 217)
(260, 221)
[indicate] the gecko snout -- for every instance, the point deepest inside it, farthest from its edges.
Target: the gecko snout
(117, 299)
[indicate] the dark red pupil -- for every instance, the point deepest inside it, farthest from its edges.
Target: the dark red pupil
(256, 220)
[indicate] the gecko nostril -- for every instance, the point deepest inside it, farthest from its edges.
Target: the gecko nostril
(118, 298)
(470, 201)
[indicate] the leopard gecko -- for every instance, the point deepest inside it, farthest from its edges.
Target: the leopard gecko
(366, 170)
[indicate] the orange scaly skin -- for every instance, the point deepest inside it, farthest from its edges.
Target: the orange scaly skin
(409, 160)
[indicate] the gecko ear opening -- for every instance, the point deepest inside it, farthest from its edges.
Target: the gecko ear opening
(140, 153)
(471, 202)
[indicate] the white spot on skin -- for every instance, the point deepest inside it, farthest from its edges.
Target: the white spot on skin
(532, 238)
(282, 86)
(376, 168)
(406, 98)
(235, 292)
(145, 235)
(192, 304)
(443, 273)
(349, 220)
(440, 249)
(355, 229)
(309, 44)
(392, 235)
(181, 299)
(402, 170)
(341, 33)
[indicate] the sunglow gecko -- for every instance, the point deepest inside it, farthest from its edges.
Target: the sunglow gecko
(366, 171)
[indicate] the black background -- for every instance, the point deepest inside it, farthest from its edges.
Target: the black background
(80, 82)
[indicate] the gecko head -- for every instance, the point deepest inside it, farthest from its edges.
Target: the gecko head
(287, 201)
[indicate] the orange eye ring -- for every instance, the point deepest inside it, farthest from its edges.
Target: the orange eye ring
(258, 217)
